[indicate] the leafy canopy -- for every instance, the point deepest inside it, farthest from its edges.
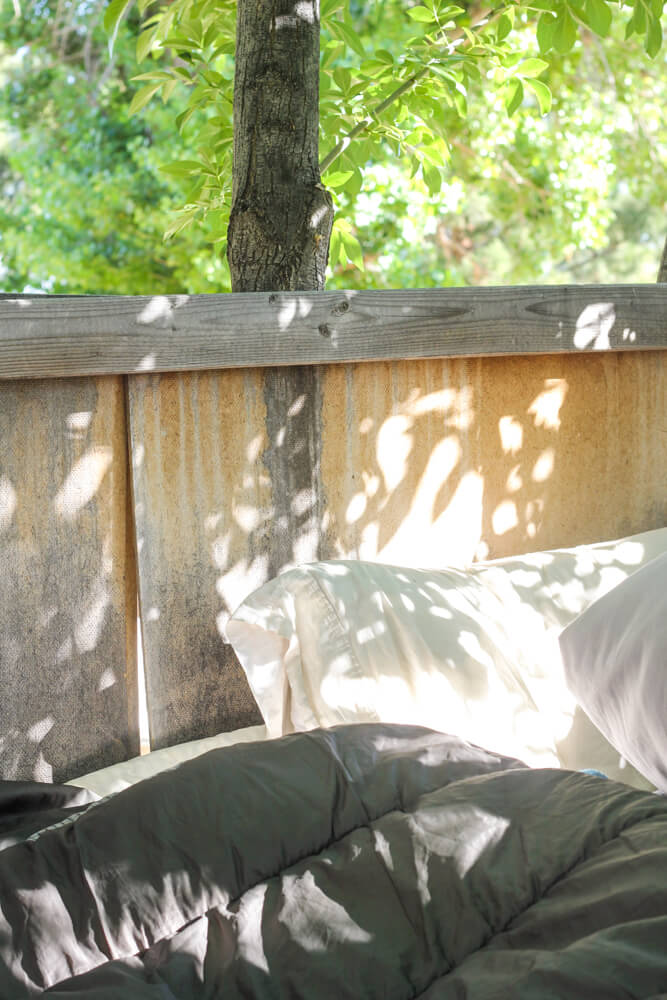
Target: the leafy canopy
(391, 95)
(438, 191)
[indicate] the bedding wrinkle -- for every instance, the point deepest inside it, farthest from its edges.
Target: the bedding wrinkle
(546, 890)
(379, 862)
(333, 622)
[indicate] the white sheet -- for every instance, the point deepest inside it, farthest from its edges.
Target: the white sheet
(119, 776)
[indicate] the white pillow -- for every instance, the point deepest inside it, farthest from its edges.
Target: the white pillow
(474, 653)
(337, 642)
(615, 657)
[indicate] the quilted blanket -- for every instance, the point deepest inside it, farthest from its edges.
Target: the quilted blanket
(367, 861)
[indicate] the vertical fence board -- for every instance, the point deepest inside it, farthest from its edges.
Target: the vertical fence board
(227, 493)
(196, 441)
(67, 580)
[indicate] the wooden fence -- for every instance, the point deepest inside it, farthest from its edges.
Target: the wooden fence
(172, 453)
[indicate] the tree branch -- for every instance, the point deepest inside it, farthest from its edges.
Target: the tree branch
(491, 15)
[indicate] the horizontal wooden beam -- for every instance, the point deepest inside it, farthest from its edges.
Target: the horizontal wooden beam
(56, 336)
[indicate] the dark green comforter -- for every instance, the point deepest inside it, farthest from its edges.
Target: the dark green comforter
(362, 862)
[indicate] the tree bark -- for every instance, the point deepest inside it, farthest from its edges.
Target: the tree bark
(662, 272)
(281, 217)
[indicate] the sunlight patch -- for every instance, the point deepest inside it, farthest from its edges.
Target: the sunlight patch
(546, 407)
(40, 729)
(82, 483)
(249, 926)
(511, 435)
(461, 834)
(504, 517)
(594, 325)
(315, 921)
(7, 503)
(544, 466)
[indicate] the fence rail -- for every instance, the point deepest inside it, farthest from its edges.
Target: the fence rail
(59, 336)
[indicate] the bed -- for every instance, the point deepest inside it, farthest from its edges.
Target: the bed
(341, 849)
(435, 782)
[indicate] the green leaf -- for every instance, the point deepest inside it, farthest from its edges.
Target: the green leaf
(330, 53)
(343, 31)
(352, 248)
(145, 43)
(542, 93)
(546, 27)
(513, 95)
(432, 177)
(211, 35)
(337, 179)
(639, 17)
(143, 96)
(531, 67)
(112, 18)
(505, 25)
(653, 37)
(599, 16)
(421, 14)
(334, 246)
(433, 155)
(375, 68)
(182, 168)
(343, 78)
(565, 34)
(184, 117)
(330, 7)
(168, 89)
(156, 74)
(183, 220)
(183, 73)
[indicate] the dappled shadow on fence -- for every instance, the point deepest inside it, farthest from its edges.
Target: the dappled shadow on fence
(239, 474)
(67, 597)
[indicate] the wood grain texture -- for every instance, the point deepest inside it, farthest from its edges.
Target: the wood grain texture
(228, 493)
(440, 462)
(67, 583)
(662, 270)
(202, 511)
(422, 462)
(52, 336)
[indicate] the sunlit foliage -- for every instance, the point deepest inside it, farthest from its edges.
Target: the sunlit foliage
(460, 148)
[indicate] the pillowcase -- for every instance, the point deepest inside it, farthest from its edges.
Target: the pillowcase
(470, 652)
(615, 658)
(343, 641)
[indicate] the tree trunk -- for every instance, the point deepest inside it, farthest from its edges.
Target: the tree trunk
(662, 273)
(281, 217)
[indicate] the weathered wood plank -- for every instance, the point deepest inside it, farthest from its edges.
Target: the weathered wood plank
(437, 462)
(43, 336)
(426, 463)
(202, 510)
(68, 684)
(228, 489)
